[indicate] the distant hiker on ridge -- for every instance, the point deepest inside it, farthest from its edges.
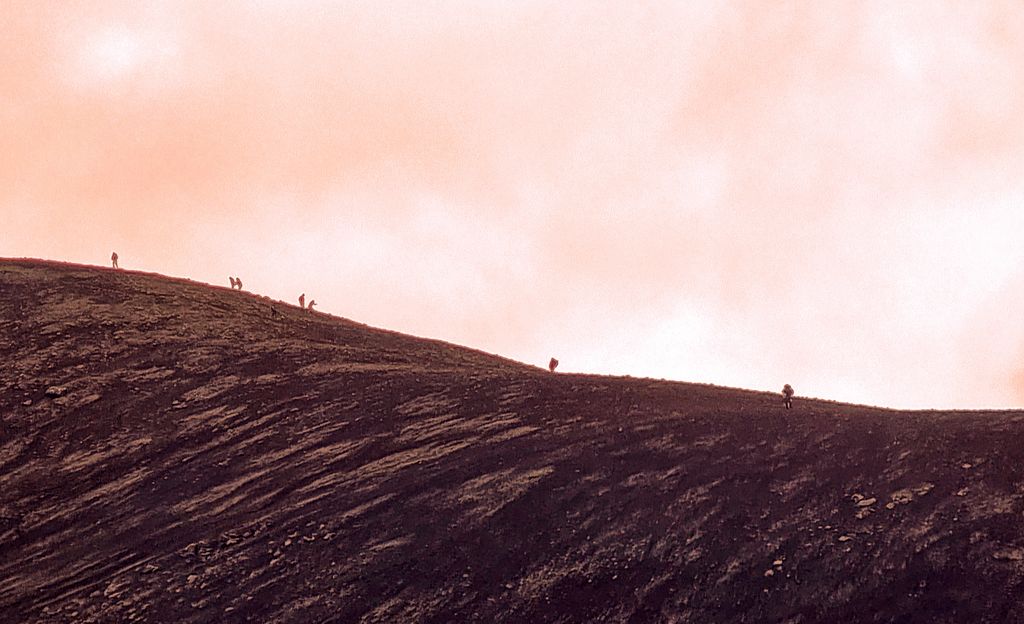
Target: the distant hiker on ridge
(113, 259)
(233, 282)
(552, 365)
(787, 396)
(302, 301)
(312, 302)
(238, 281)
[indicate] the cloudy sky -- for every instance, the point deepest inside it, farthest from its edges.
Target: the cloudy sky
(829, 194)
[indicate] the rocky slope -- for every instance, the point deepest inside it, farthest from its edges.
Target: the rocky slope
(176, 452)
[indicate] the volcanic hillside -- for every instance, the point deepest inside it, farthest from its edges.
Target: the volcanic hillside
(172, 451)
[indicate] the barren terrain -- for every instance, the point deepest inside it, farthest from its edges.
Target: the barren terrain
(172, 451)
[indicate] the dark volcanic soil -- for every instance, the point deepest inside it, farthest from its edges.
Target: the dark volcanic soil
(206, 455)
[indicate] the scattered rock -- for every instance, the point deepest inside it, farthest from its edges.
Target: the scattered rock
(966, 466)
(192, 578)
(769, 572)
(901, 497)
(27, 402)
(845, 538)
(56, 391)
(857, 497)
(1009, 554)
(777, 563)
(115, 588)
(962, 492)
(924, 488)
(867, 502)
(890, 505)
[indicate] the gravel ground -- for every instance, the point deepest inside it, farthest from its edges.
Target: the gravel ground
(172, 451)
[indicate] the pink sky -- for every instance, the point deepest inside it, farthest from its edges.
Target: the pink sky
(829, 194)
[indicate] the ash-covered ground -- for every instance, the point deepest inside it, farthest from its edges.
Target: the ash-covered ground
(172, 451)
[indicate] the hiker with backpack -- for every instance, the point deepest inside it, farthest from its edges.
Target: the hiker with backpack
(787, 396)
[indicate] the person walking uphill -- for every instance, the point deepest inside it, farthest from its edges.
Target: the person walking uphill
(787, 396)
(302, 301)
(113, 259)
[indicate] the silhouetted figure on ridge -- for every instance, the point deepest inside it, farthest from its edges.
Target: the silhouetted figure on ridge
(787, 396)
(302, 301)
(552, 365)
(233, 282)
(238, 281)
(113, 259)
(312, 302)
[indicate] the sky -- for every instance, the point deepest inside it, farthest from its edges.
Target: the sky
(826, 194)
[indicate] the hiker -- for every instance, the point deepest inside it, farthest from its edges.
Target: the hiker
(113, 259)
(787, 396)
(233, 283)
(302, 301)
(238, 281)
(552, 365)
(312, 302)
